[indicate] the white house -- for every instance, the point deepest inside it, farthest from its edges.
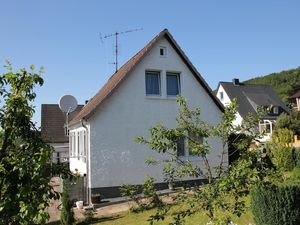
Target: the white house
(249, 97)
(139, 95)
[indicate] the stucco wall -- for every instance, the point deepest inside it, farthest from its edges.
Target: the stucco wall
(128, 112)
(226, 101)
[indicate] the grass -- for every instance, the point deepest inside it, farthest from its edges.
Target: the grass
(140, 218)
(131, 218)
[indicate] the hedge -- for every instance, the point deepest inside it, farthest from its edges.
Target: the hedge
(276, 205)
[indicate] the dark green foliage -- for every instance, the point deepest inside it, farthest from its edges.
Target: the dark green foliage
(284, 83)
(226, 187)
(290, 121)
(283, 155)
(67, 214)
(25, 169)
(24, 156)
(276, 205)
(130, 191)
(295, 175)
(297, 157)
(88, 216)
(148, 200)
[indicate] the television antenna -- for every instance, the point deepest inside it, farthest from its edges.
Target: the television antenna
(67, 104)
(116, 34)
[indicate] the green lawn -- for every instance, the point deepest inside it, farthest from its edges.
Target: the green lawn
(130, 218)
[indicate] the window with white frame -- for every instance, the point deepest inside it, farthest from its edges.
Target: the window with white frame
(183, 143)
(180, 146)
(71, 146)
(194, 139)
(152, 79)
(266, 126)
(78, 144)
(163, 51)
(221, 95)
(82, 147)
(275, 110)
(173, 84)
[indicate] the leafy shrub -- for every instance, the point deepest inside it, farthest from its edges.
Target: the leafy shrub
(284, 158)
(297, 157)
(67, 214)
(290, 121)
(130, 191)
(280, 149)
(276, 205)
(150, 198)
(295, 175)
(88, 216)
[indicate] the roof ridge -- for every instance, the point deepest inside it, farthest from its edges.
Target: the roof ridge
(115, 80)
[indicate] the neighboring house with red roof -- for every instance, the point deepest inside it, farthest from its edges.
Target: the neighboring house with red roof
(249, 98)
(54, 131)
(139, 95)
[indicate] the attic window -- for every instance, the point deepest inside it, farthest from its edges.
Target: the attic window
(152, 83)
(162, 51)
(275, 110)
(221, 95)
(173, 84)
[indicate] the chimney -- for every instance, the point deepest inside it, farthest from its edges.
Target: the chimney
(86, 102)
(236, 82)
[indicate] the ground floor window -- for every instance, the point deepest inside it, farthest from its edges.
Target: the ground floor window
(77, 145)
(266, 126)
(185, 144)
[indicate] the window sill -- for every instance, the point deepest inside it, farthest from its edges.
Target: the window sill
(190, 158)
(157, 97)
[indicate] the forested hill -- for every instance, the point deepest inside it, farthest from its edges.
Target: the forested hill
(284, 83)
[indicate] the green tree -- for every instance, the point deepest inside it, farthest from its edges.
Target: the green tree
(67, 214)
(281, 150)
(284, 83)
(24, 156)
(290, 121)
(227, 185)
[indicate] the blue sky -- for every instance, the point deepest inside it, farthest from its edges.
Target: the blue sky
(223, 39)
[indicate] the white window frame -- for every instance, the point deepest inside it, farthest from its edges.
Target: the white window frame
(221, 95)
(164, 49)
(159, 82)
(275, 110)
(263, 125)
(187, 154)
(71, 146)
(177, 74)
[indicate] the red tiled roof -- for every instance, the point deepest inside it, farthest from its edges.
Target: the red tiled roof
(116, 79)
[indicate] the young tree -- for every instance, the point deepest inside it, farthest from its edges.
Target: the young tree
(24, 156)
(67, 214)
(227, 186)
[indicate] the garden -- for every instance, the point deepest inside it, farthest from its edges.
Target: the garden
(261, 186)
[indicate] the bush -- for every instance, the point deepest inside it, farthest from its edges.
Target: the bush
(276, 205)
(295, 175)
(284, 158)
(297, 157)
(67, 214)
(148, 201)
(280, 149)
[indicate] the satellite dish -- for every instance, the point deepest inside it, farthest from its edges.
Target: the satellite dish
(67, 103)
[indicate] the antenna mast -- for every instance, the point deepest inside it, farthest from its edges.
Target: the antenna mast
(116, 34)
